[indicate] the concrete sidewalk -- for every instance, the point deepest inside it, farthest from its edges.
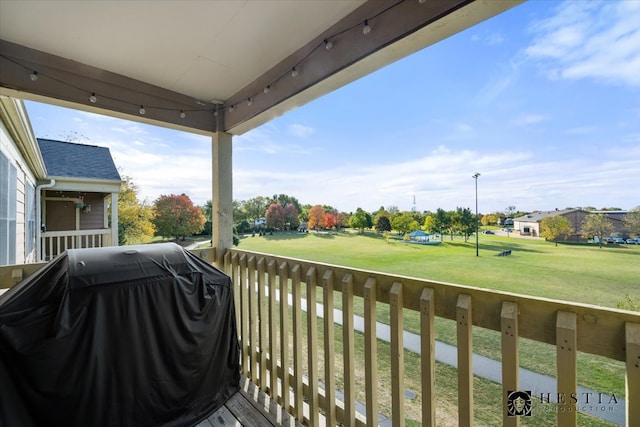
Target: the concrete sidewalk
(484, 367)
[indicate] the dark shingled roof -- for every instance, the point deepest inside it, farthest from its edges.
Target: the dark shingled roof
(66, 159)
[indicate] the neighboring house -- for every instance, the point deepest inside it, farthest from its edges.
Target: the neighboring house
(75, 206)
(54, 195)
(529, 225)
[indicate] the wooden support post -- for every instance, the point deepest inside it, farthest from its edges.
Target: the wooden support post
(465, 360)
(428, 359)
(348, 352)
(510, 359)
(567, 366)
(283, 284)
(397, 355)
(298, 393)
(632, 338)
(371, 351)
(329, 349)
(312, 347)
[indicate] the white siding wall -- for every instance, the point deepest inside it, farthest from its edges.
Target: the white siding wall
(22, 236)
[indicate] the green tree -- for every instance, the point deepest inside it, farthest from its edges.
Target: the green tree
(360, 220)
(383, 224)
(255, 208)
(442, 221)
(631, 221)
(135, 218)
(553, 227)
(238, 211)
(464, 221)
(430, 223)
(176, 216)
(207, 211)
(489, 219)
(597, 225)
(404, 223)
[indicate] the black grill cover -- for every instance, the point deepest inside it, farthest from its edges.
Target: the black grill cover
(123, 336)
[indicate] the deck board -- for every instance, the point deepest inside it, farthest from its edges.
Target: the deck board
(251, 408)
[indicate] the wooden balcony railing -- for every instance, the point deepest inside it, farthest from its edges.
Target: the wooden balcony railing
(54, 243)
(280, 343)
(280, 350)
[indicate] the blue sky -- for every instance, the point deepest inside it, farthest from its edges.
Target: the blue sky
(543, 101)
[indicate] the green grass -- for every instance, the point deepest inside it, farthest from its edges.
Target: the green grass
(578, 273)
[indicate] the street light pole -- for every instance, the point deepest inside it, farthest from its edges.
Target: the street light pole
(475, 176)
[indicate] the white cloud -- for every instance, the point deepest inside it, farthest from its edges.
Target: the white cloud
(599, 40)
(529, 119)
(300, 131)
(488, 39)
(442, 178)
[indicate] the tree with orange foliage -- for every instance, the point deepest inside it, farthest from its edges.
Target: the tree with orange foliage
(316, 217)
(176, 216)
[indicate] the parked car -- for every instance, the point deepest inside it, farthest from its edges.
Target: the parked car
(507, 229)
(619, 241)
(608, 240)
(488, 232)
(632, 242)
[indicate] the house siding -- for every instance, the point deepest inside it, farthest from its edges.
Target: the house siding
(16, 235)
(93, 220)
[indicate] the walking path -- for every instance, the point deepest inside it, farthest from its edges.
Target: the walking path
(599, 404)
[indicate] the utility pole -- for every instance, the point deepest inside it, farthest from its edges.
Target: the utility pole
(475, 176)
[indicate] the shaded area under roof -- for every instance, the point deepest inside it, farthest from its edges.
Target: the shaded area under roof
(67, 159)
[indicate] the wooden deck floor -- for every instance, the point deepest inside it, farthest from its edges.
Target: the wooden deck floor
(249, 407)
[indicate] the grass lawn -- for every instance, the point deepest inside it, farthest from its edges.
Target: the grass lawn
(578, 273)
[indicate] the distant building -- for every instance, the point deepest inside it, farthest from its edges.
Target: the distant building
(529, 225)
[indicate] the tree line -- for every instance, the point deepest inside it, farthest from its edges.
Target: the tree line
(176, 216)
(172, 215)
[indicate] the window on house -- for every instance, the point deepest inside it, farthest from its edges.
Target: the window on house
(8, 207)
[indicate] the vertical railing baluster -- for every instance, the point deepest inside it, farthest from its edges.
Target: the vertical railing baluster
(235, 285)
(465, 360)
(329, 349)
(371, 351)
(510, 359)
(262, 324)
(283, 284)
(244, 310)
(312, 347)
(348, 352)
(427, 358)
(632, 340)
(298, 392)
(252, 296)
(273, 329)
(397, 355)
(567, 367)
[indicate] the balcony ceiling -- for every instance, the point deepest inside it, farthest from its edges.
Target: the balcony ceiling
(197, 57)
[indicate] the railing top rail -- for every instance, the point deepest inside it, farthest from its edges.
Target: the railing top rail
(76, 232)
(600, 329)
